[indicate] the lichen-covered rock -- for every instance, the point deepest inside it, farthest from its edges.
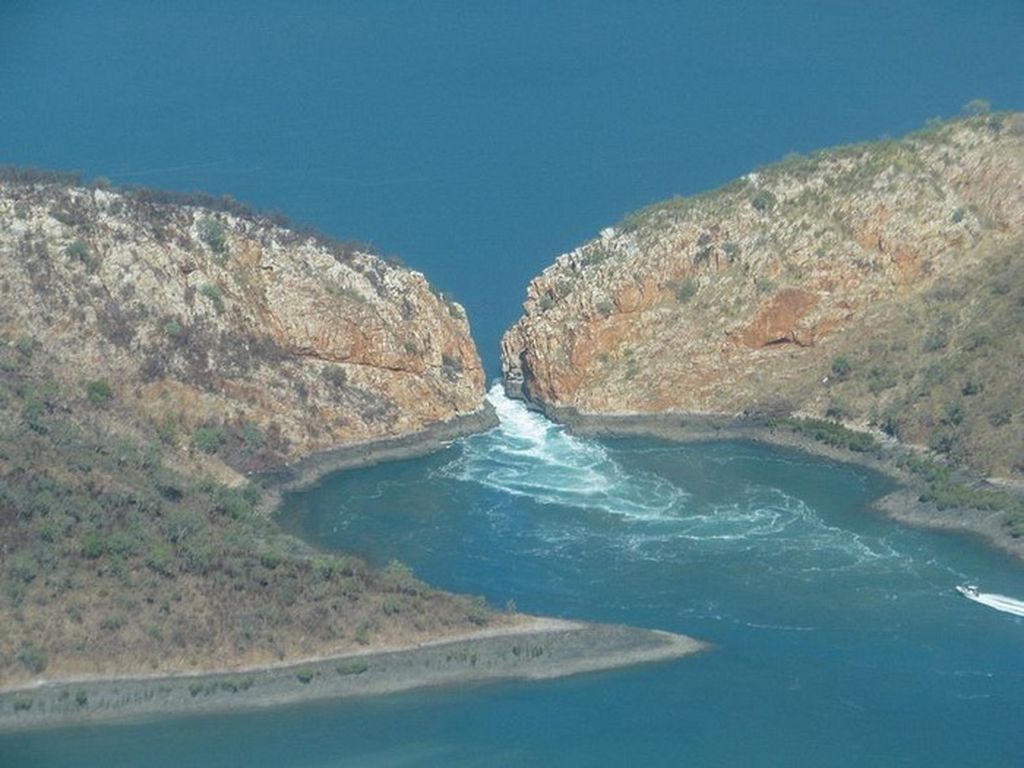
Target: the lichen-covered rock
(239, 339)
(745, 299)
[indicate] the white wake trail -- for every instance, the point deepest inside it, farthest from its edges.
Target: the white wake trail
(527, 455)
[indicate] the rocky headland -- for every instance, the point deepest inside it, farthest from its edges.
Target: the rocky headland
(868, 298)
(160, 354)
(256, 343)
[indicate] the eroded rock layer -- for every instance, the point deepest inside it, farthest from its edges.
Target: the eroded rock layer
(237, 337)
(877, 283)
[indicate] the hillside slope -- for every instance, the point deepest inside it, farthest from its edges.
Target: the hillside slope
(154, 350)
(259, 343)
(880, 284)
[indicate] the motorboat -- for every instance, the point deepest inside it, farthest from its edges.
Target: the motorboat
(998, 602)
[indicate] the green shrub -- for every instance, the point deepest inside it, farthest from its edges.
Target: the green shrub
(334, 375)
(972, 387)
(841, 367)
(686, 290)
(213, 233)
(214, 294)
(1000, 416)
(305, 676)
(955, 414)
(111, 623)
(25, 346)
(880, 379)
(208, 439)
(353, 667)
(34, 658)
(79, 251)
(160, 558)
(935, 340)
(830, 433)
(94, 545)
(477, 611)
(99, 392)
(81, 697)
(763, 201)
(168, 431)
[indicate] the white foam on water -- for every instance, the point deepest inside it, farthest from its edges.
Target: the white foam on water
(529, 456)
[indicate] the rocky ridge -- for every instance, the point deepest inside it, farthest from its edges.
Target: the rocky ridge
(241, 340)
(876, 284)
(154, 350)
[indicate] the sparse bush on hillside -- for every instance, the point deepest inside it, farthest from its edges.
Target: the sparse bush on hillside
(33, 657)
(208, 439)
(832, 433)
(685, 290)
(131, 560)
(841, 367)
(213, 232)
(214, 294)
(78, 250)
(99, 392)
(764, 201)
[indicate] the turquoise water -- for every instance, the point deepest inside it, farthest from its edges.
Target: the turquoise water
(840, 640)
(478, 140)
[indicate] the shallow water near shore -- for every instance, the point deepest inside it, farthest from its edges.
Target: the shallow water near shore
(840, 639)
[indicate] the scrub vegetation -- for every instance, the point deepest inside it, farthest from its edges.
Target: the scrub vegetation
(114, 560)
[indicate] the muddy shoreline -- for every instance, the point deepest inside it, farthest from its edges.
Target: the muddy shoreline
(537, 649)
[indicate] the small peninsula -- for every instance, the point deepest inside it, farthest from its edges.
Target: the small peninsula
(168, 365)
(865, 301)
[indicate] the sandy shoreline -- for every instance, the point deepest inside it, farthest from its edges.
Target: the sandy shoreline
(538, 648)
(902, 505)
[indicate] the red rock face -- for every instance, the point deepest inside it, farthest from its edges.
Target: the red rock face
(777, 320)
(741, 298)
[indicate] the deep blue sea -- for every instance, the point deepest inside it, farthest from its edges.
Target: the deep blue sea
(477, 140)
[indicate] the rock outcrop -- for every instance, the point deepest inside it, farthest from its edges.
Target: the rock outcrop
(878, 283)
(251, 342)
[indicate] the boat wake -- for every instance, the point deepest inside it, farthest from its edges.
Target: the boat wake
(998, 602)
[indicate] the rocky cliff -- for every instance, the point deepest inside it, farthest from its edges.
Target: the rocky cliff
(880, 284)
(235, 337)
(155, 348)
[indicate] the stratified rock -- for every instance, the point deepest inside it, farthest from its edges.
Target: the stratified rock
(272, 342)
(861, 281)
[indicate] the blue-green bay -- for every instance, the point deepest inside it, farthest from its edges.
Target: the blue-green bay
(839, 638)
